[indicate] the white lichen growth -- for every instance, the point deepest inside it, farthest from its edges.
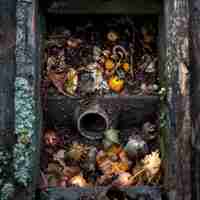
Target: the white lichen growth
(24, 128)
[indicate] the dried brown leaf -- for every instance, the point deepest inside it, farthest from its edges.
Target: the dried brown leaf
(58, 80)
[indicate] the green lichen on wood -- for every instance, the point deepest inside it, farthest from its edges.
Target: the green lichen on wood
(24, 128)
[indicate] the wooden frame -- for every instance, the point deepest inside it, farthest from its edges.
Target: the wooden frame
(177, 73)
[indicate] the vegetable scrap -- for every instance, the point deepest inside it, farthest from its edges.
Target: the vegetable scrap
(109, 162)
(118, 57)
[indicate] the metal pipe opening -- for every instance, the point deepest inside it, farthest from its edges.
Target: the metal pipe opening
(92, 122)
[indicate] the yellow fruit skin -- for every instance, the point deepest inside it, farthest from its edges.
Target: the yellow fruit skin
(116, 84)
(109, 65)
(126, 67)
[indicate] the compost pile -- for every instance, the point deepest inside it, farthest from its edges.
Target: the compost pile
(110, 161)
(114, 57)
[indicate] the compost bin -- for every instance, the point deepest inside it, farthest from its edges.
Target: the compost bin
(102, 105)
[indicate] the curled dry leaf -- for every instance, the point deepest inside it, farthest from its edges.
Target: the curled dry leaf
(122, 54)
(50, 138)
(101, 156)
(115, 150)
(123, 156)
(123, 180)
(71, 171)
(78, 181)
(148, 169)
(60, 155)
(151, 164)
(54, 168)
(54, 174)
(58, 80)
(114, 161)
(114, 153)
(91, 159)
(119, 167)
(138, 173)
(106, 167)
(77, 151)
(112, 135)
(105, 179)
(109, 64)
(56, 62)
(51, 62)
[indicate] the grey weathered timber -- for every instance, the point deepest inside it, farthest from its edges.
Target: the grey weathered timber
(7, 75)
(27, 102)
(102, 6)
(133, 193)
(7, 66)
(195, 95)
(177, 72)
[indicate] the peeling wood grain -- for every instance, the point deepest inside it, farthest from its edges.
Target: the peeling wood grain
(177, 65)
(183, 79)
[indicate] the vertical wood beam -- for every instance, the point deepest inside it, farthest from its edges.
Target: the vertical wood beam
(7, 76)
(27, 103)
(7, 64)
(195, 94)
(177, 71)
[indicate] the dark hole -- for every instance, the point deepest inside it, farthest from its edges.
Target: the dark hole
(93, 122)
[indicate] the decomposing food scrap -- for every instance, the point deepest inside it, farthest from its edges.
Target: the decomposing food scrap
(123, 62)
(113, 59)
(111, 162)
(77, 151)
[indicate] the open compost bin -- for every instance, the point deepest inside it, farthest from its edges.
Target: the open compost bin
(100, 88)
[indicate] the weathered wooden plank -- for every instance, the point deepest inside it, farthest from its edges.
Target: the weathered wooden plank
(102, 6)
(27, 103)
(7, 63)
(7, 75)
(133, 109)
(178, 166)
(75, 193)
(195, 95)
